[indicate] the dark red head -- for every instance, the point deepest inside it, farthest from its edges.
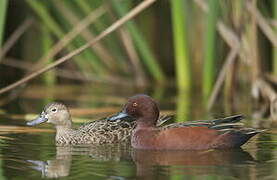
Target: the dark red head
(142, 108)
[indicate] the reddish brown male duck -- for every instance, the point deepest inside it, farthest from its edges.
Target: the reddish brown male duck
(197, 135)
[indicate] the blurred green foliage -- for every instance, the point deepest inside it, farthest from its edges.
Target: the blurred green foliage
(3, 9)
(170, 40)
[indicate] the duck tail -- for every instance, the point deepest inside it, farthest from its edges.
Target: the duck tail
(237, 138)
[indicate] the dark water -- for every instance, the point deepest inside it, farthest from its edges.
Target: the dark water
(34, 155)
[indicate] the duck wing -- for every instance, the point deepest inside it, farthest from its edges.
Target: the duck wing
(163, 119)
(221, 123)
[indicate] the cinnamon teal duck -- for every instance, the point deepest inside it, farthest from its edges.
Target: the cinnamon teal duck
(97, 132)
(199, 135)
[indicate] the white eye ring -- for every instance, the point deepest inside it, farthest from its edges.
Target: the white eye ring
(54, 110)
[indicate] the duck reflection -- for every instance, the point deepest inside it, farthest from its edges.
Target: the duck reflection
(61, 165)
(189, 162)
(143, 164)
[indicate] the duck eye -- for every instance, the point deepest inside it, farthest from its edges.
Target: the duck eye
(54, 110)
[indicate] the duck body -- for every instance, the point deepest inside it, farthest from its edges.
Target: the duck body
(189, 138)
(198, 135)
(97, 132)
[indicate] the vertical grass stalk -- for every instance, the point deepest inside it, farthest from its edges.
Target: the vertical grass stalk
(3, 9)
(183, 104)
(46, 43)
(182, 64)
(209, 48)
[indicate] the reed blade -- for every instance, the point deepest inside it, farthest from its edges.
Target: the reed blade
(182, 64)
(209, 68)
(3, 9)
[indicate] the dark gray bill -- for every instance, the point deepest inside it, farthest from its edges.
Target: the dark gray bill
(39, 166)
(120, 115)
(38, 120)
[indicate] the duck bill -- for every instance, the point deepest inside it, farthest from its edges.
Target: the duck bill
(119, 115)
(41, 119)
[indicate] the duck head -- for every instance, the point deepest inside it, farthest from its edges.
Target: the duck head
(142, 108)
(55, 113)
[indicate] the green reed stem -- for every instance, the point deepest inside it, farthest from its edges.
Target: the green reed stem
(209, 48)
(49, 78)
(183, 104)
(141, 44)
(3, 9)
(182, 64)
(275, 49)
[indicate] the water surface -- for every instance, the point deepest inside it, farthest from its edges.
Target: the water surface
(33, 155)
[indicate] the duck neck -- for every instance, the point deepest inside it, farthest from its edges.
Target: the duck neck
(144, 123)
(62, 130)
